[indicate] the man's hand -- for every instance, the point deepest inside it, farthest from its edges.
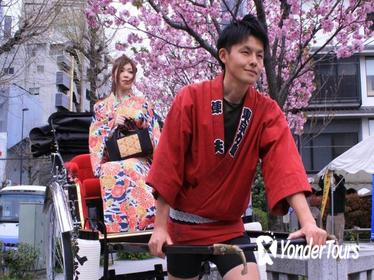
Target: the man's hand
(313, 234)
(159, 237)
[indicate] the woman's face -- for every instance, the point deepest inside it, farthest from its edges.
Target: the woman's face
(125, 78)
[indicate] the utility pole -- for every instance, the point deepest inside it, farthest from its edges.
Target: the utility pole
(72, 82)
(21, 161)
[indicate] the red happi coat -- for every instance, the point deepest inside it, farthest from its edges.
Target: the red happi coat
(194, 174)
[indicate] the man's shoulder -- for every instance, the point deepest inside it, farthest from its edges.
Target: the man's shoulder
(268, 112)
(190, 92)
(264, 98)
(195, 87)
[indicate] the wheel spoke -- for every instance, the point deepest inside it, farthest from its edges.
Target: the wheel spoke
(56, 253)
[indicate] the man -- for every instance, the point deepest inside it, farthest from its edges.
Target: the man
(339, 197)
(213, 137)
(314, 203)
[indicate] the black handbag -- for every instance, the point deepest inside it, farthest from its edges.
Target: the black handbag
(124, 144)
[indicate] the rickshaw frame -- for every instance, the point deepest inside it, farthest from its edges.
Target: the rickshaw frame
(64, 202)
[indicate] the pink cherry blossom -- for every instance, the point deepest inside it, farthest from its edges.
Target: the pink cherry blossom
(181, 38)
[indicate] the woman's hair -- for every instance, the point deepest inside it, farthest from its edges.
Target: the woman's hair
(119, 63)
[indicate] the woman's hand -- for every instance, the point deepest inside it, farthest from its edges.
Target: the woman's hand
(121, 120)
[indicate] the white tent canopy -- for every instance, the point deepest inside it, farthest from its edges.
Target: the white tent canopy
(358, 158)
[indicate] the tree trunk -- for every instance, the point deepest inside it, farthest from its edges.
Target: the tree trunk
(269, 64)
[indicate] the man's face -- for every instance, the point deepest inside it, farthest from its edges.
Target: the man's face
(245, 61)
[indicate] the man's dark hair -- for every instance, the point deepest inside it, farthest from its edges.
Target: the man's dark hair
(351, 191)
(239, 30)
(339, 179)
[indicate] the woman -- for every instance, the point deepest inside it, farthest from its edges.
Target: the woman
(128, 203)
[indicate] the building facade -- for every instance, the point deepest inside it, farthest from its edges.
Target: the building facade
(44, 75)
(341, 111)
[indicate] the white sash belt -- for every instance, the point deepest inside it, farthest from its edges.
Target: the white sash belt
(188, 217)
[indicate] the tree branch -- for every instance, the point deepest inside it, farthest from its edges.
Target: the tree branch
(197, 4)
(286, 12)
(185, 28)
(268, 61)
(164, 40)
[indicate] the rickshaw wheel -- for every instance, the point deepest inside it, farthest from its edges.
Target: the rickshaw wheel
(59, 251)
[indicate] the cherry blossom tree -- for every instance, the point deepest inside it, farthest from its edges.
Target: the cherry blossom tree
(174, 41)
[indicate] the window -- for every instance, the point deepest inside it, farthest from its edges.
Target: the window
(319, 151)
(370, 76)
(341, 142)
(337, 81)
(33, 49)
(371, 127)
(88, 94)
(9, 70)
(34, 90)
(347, 74)
(56, 49)
(10, 203)
(40, 69)
(370, 17)
(319, 148)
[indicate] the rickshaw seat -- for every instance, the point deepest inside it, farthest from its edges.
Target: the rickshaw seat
(79, 167)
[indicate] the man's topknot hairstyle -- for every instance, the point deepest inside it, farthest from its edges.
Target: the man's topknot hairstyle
(239, 30)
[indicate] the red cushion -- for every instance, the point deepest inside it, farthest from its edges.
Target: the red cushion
(84, 166)
(80, 168)
(72, 168)
(92, 188)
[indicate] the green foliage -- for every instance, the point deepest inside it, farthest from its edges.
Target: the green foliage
(122, 255)
(261, 217)
(258, 191)
(259, 199)
(358, 211)
(18, 263)
(5, 277)
(1, 260)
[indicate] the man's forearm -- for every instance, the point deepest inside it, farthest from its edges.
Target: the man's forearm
(299, 204)
(162, 213)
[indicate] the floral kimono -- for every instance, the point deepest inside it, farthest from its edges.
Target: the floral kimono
(128, 203)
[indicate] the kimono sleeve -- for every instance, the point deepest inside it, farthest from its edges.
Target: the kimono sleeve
(282, 168)
(98, 135)
(166, 175)
(143, 115)
(147, 118)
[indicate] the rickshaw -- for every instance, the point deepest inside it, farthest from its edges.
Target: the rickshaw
(73, 202)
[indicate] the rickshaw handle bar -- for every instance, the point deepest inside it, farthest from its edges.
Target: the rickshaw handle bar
(215, 249)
